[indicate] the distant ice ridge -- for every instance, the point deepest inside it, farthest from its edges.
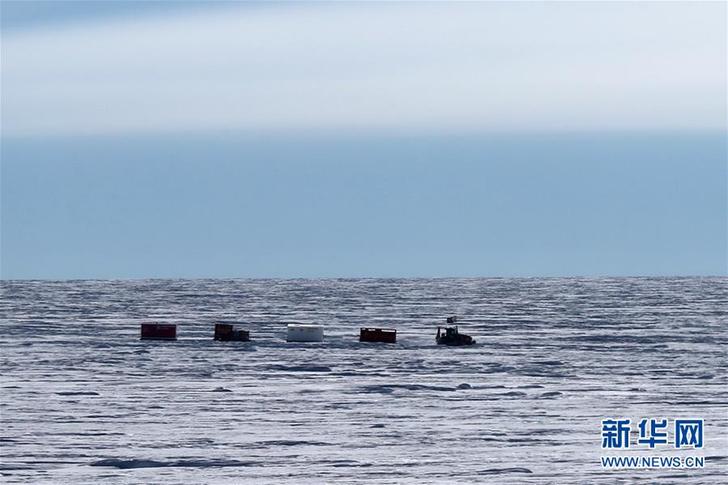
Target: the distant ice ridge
(137, 463)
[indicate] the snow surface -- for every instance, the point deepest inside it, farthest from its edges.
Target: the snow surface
(83, 400)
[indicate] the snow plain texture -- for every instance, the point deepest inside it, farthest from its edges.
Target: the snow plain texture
(83, 400)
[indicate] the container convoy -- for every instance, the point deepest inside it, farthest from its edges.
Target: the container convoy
(304, 332)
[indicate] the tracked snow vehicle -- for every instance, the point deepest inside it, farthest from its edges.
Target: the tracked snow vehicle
(452, 336)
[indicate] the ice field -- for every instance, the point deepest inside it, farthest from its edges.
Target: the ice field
(83, 400)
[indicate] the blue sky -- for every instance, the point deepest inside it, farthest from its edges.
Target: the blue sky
(406, 139)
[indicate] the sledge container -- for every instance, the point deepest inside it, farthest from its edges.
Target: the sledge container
(386, 335)
(159, 331)
(227, 332)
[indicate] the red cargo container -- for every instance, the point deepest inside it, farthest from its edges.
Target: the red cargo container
(386, 335)
(159, 331)
(227, 332)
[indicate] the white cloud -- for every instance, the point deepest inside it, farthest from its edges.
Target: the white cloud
(414, 67)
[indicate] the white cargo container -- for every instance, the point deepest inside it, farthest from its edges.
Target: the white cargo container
(299, 332)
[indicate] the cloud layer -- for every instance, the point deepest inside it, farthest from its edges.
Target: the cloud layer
(432, 67)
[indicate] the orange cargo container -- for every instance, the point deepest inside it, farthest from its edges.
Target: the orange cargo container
(159, 331)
